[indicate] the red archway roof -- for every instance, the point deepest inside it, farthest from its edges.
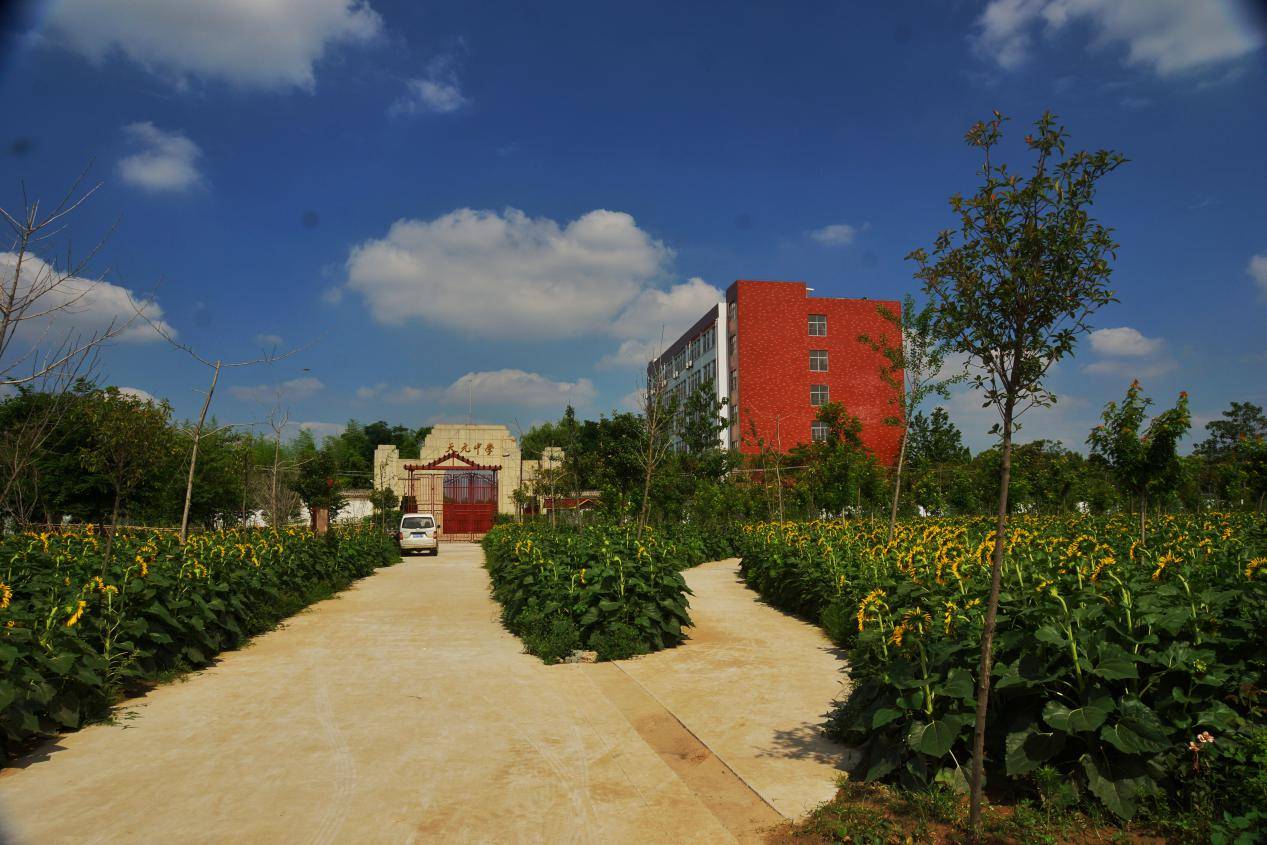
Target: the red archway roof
(451, 455)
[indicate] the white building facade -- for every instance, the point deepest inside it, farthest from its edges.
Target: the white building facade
(697, 358)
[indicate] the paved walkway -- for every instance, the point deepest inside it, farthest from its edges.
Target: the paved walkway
(402, 712)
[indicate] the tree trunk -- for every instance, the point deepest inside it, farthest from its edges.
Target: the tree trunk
(897, 486)
(114, 529)
(193, 455)
(646, 494)
(1143, 519)
(987, 635)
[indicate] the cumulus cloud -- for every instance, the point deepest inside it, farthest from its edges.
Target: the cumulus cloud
(634, 353)
(293, 389)
(138, 393)
(1126, 353)
(674, 310)
(1165, 36)
(322, 429)
(165, 161)
(1257, 269)
(79, 306)
(438, 92)
(656, 318)
(837, 234)
(508, 387)
(505, 273)
(272, 45)
(1125, 341)
(271, 341)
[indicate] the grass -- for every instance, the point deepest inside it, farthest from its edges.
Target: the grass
(875, 814)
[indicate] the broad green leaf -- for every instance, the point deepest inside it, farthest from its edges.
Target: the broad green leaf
(1030, 748)
(883, 715)
(1117, 792)
(1137, 729)
(1115, 664)
(1088, 717)
(937, 737)
(959, 685)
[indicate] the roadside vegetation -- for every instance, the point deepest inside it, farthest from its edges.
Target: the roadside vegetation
(602, 589)
(85, 621)
(1127, 677)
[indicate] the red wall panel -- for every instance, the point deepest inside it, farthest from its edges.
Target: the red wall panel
(773, 346)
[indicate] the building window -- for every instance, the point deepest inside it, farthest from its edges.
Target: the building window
(734, 414)
(732, 347)
(818, 431)
(734, 382)
(818, 394)
(818, 325)
(734, 311)
(818, 360)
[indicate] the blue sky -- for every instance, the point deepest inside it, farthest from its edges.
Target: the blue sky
(499, 205)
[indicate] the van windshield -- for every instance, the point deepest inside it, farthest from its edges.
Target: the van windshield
(417, 522)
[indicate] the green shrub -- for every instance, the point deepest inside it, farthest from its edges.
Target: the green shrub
(1116, 663)
(78, 631)
(598, 581)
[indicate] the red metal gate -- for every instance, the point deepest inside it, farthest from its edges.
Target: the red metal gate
(470, 502)
(462, 494)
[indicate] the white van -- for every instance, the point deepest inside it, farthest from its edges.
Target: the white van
(418, 533)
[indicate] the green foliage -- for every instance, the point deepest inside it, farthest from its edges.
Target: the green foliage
(838, 471)
(76, 632)
(618, 595)
(1112, 657)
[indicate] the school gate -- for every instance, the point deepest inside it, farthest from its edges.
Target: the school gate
(461, 493)
(463, 474)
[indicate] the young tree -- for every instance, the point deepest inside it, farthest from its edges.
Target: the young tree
(837, 471)
(1145, 462)
(913, 363)
(659, 410)
(1012, 288)
(124, 445)
(197, 432)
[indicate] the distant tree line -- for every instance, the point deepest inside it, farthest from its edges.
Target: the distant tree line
(106, 456)
(1227, 470)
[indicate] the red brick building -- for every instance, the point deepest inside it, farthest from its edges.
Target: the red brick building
(785, 353)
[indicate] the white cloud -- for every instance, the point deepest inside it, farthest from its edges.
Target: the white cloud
(516, 387)
(78, 306)
(837, 234)
(1257, 269)
(507, 274)
(673, 310)
(656, 318)
(1125, 341)
(1127, 353)
(166, 161)
(252, 44)
(293, 389)
(498, 388)
(1166, 36)
(633, 353)
(322, 429)
(138, 393)
(272, 341)
(439, 91)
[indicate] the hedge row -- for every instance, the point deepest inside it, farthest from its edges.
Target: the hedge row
(77, 631)
(598, 587)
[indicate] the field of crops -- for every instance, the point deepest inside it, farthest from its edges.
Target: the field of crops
(599, 588)
(1128, 675)
(76, 631)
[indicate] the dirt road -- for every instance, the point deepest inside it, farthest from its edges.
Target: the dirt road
(401, 711)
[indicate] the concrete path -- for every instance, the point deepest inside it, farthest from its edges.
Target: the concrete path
(402, 712)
